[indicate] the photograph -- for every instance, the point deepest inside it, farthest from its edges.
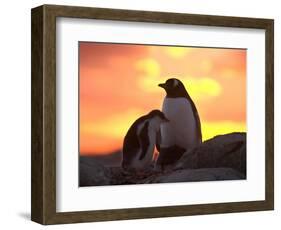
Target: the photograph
(152, 113)
(175, 108)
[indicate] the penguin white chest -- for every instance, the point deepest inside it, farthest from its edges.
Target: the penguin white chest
(181, 130)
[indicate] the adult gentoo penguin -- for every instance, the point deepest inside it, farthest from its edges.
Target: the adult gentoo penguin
(140, 140)
(184, 128)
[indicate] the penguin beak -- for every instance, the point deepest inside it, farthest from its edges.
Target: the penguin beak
(162, 85)
(166, 120)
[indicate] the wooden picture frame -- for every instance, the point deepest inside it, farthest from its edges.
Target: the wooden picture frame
(43, 208)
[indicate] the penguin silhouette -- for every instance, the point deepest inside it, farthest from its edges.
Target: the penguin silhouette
(140, 140)
(184, 129)
(168, 157)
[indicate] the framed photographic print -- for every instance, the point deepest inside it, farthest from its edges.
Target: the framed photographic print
(139, 114)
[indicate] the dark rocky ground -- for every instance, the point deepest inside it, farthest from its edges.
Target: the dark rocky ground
(220, 158)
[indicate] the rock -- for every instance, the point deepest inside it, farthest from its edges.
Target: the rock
(204, 174)
(220, 158)
(92, 173)
(120, 176)
(224, 151)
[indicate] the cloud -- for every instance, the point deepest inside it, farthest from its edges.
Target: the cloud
(202, 88)
(177, 52)
(149, 67)
(148, 74)
(230, 73)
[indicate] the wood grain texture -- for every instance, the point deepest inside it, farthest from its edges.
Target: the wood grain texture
(44, 114)
(269, 113)
(37, 115)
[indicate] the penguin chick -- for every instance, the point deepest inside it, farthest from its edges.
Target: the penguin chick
(140, 140)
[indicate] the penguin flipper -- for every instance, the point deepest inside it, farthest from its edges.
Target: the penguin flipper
(197, 118)
(198, 122)
(144, 140)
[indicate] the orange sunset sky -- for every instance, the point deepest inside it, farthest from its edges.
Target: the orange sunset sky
(118, 84)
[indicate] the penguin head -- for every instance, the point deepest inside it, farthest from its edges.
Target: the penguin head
(174, 88)
(157, 118)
